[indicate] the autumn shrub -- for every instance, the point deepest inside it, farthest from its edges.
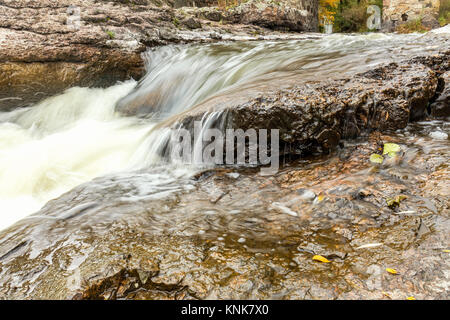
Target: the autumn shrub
(347, 15)
(444, 12)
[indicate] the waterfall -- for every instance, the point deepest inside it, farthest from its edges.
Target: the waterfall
(83, 133)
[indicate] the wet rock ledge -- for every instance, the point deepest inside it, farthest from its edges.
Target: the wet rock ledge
(315, 116)
(45, 48)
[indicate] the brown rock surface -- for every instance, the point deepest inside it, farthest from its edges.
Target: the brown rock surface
(441, 107)
(230, 237)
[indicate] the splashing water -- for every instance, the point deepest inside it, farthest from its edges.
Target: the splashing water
(66, 140)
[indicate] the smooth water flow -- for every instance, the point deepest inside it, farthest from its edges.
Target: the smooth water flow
(181, 76)
(64, 141)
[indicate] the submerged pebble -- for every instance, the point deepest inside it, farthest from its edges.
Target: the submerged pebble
(233, 175)
(439, 135)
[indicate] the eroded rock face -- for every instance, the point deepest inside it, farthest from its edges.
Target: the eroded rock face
(48, 46)
(441, 107)
(237, 235)
(283, 15)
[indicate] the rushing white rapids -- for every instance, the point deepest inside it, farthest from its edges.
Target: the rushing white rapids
(49, 148)
(60, 143)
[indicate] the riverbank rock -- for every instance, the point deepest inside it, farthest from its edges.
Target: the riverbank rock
(283, 15)
(48, 46)
(245, 236)
(441, 107)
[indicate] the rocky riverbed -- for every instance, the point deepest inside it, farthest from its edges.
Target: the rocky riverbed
(232, 234)
(131, 224)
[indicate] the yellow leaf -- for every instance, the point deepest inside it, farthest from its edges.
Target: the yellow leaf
(391, 149)
(447, 251)
(321, 259)
(410, 298)
(376, 158)
(392, 202)
(386, 294)
(392, 271)
(320, 198)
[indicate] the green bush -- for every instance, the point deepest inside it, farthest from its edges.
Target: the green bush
(444, 12)
(111, 34)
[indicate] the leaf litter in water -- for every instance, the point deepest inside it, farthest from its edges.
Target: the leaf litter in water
(376, 158)
(386, 294)
(391, 271)
(393, 202)
(391, 149)
(320, 259)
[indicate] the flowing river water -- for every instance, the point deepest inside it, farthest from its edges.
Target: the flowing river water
(67, 140)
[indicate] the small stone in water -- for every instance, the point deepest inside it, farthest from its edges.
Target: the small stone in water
(439, 135)
(201, 232)
(308, 195)
(284, 209)
(220, 238)
(241, 240)
(233, 175)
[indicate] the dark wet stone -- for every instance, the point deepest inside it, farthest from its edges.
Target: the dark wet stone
(191, 23)
(441, 107)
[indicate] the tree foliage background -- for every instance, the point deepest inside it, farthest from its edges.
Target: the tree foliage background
(444, 13)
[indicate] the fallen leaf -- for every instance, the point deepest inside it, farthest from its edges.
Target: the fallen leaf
(410, 298)
(392, 202)
(392, 271)
(386, 294)
(391, 149)
(321, 259)
(447, 251)
(376, 158)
